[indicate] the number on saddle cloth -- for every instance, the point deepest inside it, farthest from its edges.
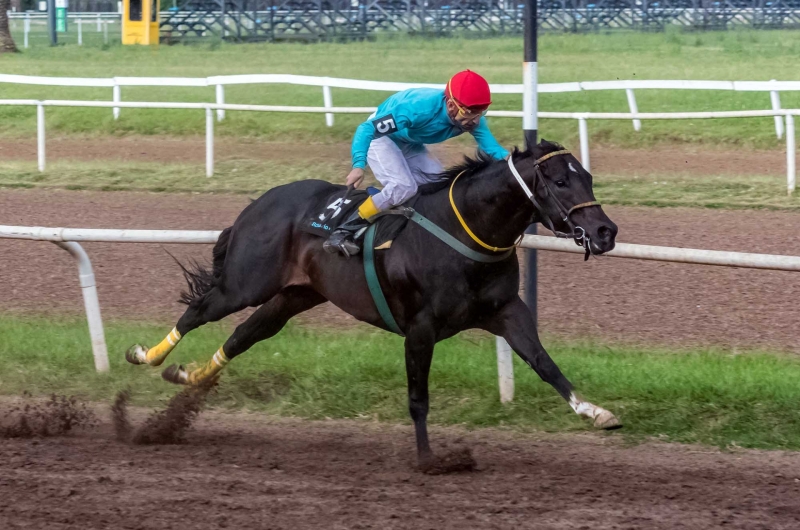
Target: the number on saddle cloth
(337, 208)
(333, 211)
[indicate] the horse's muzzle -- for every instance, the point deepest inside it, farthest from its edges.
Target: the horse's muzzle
(603, 238)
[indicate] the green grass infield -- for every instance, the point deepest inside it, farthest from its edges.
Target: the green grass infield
(692, 395)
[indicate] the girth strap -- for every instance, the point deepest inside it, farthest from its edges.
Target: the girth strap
(374, 283)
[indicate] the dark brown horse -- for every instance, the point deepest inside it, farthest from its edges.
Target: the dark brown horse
(434, 292)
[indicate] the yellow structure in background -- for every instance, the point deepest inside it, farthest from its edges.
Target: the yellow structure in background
(134, 29)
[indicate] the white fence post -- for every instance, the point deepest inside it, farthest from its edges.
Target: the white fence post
(80, 33)
(40, 136)
(209, 142)
(327, 102)
(505, 370)
(637, 124)
(105, 32)
(775, 99)
(91, 303)
(117, 97)
(220, 91)
(27, 27)
(583, 133)
(98, 23)
(791, 168)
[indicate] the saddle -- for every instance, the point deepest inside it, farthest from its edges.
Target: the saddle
(337, 207)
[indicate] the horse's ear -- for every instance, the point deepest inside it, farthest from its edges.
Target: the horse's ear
(544, 144)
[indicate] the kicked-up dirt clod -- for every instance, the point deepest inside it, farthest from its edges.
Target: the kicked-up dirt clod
(55, 417)
(168, 426)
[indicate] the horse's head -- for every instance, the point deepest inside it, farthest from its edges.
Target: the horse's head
(562, 196)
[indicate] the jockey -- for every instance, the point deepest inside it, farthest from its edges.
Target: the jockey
(392, 141)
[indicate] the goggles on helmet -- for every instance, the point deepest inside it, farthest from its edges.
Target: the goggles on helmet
(467, 113)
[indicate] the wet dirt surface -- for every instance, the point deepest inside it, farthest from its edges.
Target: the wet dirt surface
(253, 471)
(613, 299)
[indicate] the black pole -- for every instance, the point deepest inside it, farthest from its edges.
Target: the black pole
(51, 22)
(530, 126)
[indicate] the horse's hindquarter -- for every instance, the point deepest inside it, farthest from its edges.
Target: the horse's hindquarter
(267, 250)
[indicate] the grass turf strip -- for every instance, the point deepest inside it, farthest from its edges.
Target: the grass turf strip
(730, 55)
(703, 396)
(252, 177)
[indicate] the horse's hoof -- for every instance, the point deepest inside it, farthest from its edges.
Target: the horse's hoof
(136, 354)
(176, 374)
(607, 421)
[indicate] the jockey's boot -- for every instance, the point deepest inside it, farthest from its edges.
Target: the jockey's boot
(343, 239)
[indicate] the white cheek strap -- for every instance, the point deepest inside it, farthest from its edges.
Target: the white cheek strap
(517, 176)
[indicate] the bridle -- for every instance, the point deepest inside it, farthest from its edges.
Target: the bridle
(578, 233)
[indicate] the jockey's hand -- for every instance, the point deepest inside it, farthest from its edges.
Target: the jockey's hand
(355, 177)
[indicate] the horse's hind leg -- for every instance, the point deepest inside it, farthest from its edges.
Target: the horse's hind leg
(267, 321)
(211, 307)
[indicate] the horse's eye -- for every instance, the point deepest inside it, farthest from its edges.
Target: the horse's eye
(561, 183)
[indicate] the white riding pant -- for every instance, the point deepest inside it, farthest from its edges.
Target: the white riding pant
(400, 171)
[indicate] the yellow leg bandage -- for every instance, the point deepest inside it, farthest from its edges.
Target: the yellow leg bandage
(368, 209)
(156, 355)
(210, 369)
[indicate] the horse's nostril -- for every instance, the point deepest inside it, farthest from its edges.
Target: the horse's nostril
(605, 233)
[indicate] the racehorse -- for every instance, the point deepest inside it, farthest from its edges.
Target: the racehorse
(432, 290)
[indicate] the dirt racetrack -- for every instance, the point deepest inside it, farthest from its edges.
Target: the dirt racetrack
(248, 471)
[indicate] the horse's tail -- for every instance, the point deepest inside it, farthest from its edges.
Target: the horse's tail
(199, 278)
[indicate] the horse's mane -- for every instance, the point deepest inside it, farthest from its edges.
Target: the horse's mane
(472, 166)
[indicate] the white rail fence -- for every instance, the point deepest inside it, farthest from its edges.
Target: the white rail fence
(326, 83)
(581, 117)
(102, 20)
(69, 239)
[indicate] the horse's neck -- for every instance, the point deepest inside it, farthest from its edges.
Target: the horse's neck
(498, 205)
(491, 204)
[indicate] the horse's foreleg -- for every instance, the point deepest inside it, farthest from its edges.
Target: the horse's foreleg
(515, 324)
(419, 352)
(264, 323)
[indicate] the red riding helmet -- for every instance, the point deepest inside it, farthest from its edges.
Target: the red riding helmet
(469, 89)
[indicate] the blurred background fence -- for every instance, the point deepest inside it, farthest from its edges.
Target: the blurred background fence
(270, 20)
